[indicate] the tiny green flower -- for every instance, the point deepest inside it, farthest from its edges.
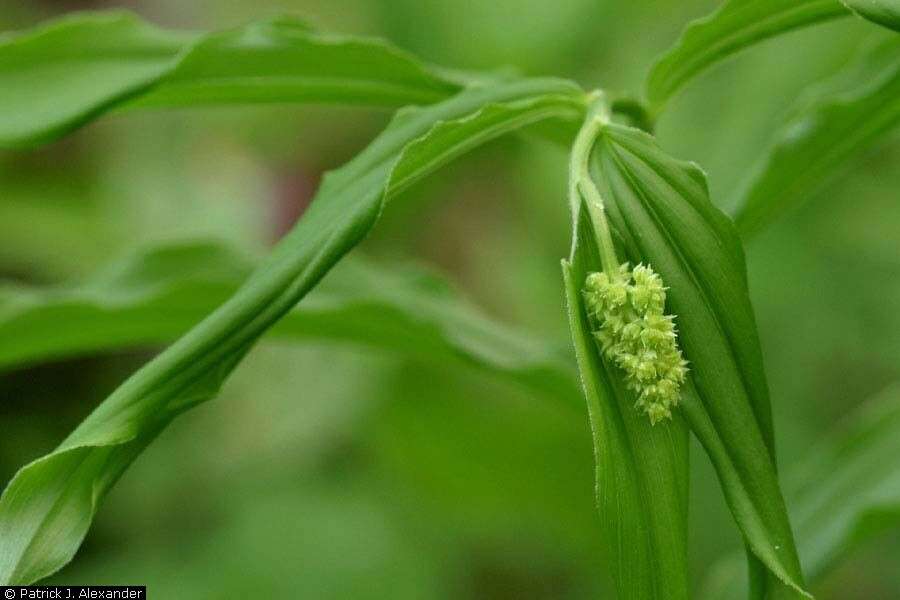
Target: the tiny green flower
(626, 306)
(636, 335)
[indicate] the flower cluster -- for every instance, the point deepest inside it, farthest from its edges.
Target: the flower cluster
(636, 335)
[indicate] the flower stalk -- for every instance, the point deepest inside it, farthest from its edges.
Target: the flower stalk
(626, 306)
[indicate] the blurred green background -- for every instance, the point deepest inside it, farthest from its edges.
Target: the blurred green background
(333, 471)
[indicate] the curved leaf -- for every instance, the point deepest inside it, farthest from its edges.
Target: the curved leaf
(60, 75)
(641, 469)
(46, 509)
(660, 208)
(883, 12)
(845, 117)
(736, 25)
(157, 294)
(283, 60)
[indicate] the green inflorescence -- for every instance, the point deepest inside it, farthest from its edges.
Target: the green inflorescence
(636, 335)
(626, 306)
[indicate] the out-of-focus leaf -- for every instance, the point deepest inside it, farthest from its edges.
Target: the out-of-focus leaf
(844, 117)
(661, 210)
(156, 295)
(283, 60)
(60, 75)
(736, 25)
(293, 537)
(514, 464)
(47, 508)
(846, 491)
(641, 469)
(883, 12)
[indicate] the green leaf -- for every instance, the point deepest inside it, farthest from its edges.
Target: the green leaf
(156, 295)
(883, 12)
(283, 60)
(60, 75)
(844, 117)
(47, 508)
(661, 210)
(846, 491)
(736, 25)
(641, 469)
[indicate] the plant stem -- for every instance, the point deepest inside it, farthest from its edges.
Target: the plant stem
(582, 187)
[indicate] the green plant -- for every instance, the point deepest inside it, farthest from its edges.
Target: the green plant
(630, 202)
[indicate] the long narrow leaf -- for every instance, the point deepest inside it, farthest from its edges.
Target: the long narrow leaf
(283, 60)
(847, 116)
(641, 469)
(660, 207)
(736, 25)
(156, 295)
(47, 508)
(60, 75)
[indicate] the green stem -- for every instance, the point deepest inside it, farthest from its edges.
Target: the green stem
(582, 187)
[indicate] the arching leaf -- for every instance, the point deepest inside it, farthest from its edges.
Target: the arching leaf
(736, 25)
(60, 75)
(46, 509)
(157, 294)
(843, 118)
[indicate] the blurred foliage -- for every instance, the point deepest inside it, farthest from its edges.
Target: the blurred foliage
(339, 472)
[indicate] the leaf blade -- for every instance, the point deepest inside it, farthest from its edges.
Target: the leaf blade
(736, 25)
(883, 12)
(284, 60)
(661, 209)
(848, 490)
(191, 370)
(844, 117)
(155, 296)
(61, 75)
(845, 491)
(641, 470)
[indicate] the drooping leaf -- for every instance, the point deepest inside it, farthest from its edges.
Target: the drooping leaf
(736, 25)
(46, 509)
(846, 491)
(157, 294)
(641, 469)
(883, 12)
(844, 117)
(284, 60)
(661, 210)
(60, 75)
